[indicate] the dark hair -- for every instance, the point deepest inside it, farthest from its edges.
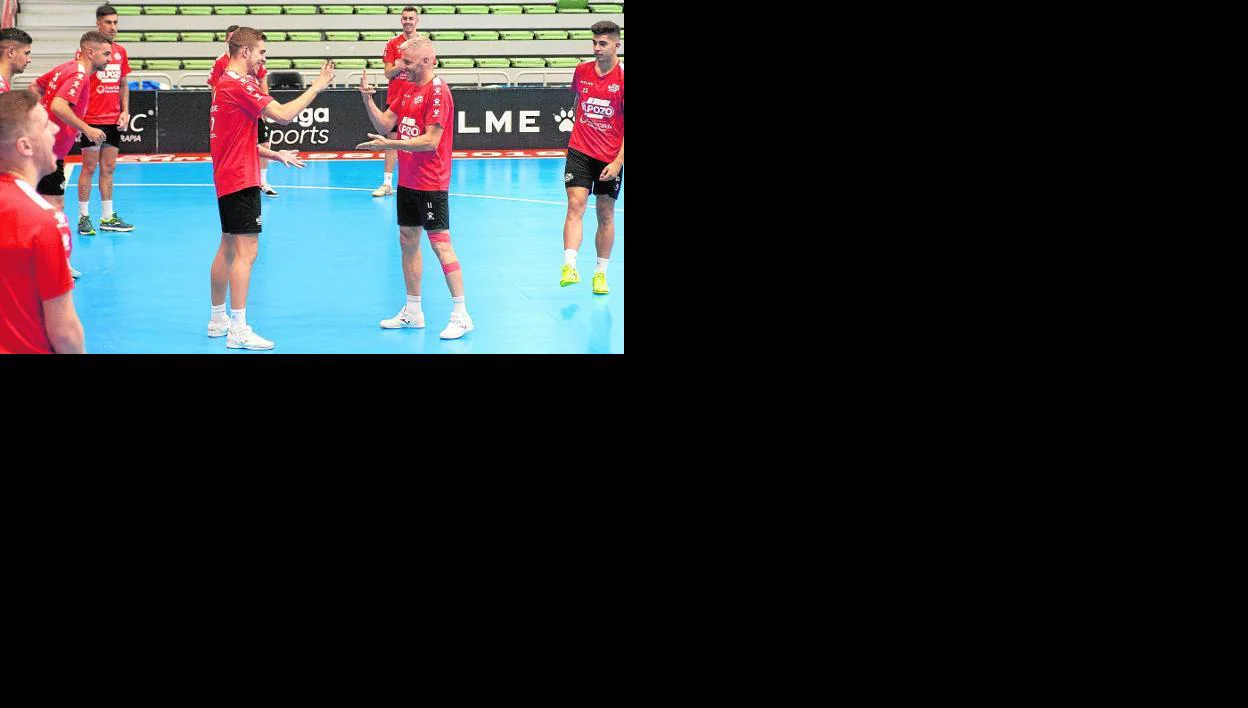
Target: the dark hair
(231, 28)
(410, 8)
(15, 108)
(104, 11)
(13, 34)
(244, 37)
(605, 27)
(94, 36)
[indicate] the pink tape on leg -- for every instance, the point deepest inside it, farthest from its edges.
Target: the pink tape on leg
(441, 236)
(449, 268)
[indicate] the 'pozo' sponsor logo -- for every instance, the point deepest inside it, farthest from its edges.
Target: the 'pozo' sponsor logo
(308, 132)
(597, 107)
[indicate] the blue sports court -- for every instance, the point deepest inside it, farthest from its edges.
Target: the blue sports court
(328, 268)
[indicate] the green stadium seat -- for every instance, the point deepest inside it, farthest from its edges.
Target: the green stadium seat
(493, 63)
(505, 9)
(162, 64)
(314, 64)
(481, 35)
(220, 36)
(606, 8)
(160, 10)
(337, 9)
(128, 9)
(378, 36)
(305, 36)
(197, 64)
(580, 34)
(539, 9)
(195, 9)
(351, 63)
(376, 64)
(516, 34)
(299, 9)
(230, 9)
(276, 64)
(550, 34)
(528, 63)
(562, 62)
(371, 9)
(197, 37)
(447, 36)
(160, 36)
(439, 9)
(129, 37)
(571, 3)
(398, 9)
(472, 9)
(455, 63)
(572, 10)
(265, 9)
(340, 36)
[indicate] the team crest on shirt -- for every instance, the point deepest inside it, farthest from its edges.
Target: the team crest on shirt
(614, 88)
(420, 99)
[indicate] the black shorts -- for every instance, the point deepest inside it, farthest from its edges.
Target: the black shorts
(54, 184)
(581, 170)
(431, 210)
(262, 133)
(240, 211)
(112, 136)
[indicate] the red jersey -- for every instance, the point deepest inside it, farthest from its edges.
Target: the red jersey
(69, 81)
(232, 132)
(218, 68)
(599, 129)
(419, 108)
(105, 88)
(392, 54)
(34, 266)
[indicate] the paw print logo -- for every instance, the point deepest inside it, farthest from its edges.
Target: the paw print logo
(565, 120)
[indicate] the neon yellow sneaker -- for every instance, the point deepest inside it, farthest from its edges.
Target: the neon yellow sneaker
(600, 283)
(569, 276)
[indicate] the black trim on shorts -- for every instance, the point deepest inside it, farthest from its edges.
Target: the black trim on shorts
(240, 211)
(262, 132)
(53, 185)
(431, 210)
(581, 170)
(112, 136)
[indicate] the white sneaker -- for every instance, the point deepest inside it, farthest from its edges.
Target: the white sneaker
(218, 328)
(268, 190)
(246, 338)
(405, 319)
(74, 272)
(384, 190)
(458, 327)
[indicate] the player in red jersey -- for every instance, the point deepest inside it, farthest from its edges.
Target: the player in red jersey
(398, 82)
(108, 111)
(425, 119)
(236, 104)
(37, 314)
(595, 152)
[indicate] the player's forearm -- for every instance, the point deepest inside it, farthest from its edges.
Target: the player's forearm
(375, 116)
(125, 96)
(69, 338)
(285, 113)
(619, 159)
(422, 143)
(63, 111)
(267, 153)
(392, 72)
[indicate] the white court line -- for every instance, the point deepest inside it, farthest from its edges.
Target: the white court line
(348, 189)
(69, 170)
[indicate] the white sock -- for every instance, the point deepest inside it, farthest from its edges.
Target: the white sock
(602, 265)
(264, 176)
(413, 304)
(106, 209)
(569, 256)
(387, 179)
(218, 312)
(460, 307)
(238, 318)
(84, 209)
